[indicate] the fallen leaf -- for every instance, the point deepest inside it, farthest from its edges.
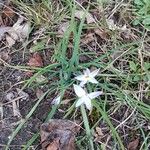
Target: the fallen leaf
(63, 28)
(54, 145)
(90, 19)
(3, 30)
(21, 29)
(59, 134)
(99, 131)
(112, 26)
(133, 145)
(10, 41)
(80, 14)
(5, 56)
(101, 33)
(41, 79)
(88, 38)
(18, 32)
(22, 94)
(98, 134)
(29, 73)
(7, 11)
(35, 61)
(39, 93)
(65, 102)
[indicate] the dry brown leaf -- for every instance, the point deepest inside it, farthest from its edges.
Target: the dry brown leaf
(18, 32)
(88, 38)
(35, 61)
(133, 145)
(101, 34)
(60, 132)
(63, 28)
(20, 29)
(98, 134)
(8, 12)
(99, 131)
(80, 14)
(54, 145)
(29, 73)
(39, 93)
(65, 102)
(5, 56)
(10, 41)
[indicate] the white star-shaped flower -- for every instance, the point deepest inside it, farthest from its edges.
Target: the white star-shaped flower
(85, 98)
(87, 76)
(56, 100)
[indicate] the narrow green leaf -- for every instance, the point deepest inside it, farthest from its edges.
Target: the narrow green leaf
(133, 66)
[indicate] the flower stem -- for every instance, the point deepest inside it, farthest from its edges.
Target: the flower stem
(87, 127)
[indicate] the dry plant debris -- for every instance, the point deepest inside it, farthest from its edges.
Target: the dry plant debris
(39, 93)
(41, 79)
(88, 38)
(80, 14)
(8, 12)
(134, 144)
(59, 134)
(18, 32)
(35, 60)
(63, 28)
(14, 97)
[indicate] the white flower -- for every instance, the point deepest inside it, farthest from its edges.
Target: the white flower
(85, 98)
(87, 77)
(56, 100)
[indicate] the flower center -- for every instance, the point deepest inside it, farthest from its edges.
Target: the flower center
(87, 77)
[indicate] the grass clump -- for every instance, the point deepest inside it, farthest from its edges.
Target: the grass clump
(122, 112)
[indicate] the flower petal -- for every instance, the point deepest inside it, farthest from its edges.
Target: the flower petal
(80, 78)
(94, 94)
(87, 102)
(82, 83)
(86, 72)
(93, 80)
(56, 101)
(78, 90)
(80, 102)
(94, 73)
